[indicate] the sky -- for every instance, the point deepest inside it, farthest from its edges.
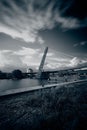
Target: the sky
(27, 27)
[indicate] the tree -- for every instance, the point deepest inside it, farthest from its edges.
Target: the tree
(3, 75)
(17, 74)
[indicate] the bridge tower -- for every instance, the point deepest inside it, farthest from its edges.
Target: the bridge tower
(40, 70)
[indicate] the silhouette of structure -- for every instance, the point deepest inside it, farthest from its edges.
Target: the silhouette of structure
(40, 70)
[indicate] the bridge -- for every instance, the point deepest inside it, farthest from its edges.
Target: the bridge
(41, 75)
(44, 74)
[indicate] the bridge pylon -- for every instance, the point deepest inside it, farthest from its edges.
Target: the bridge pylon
(40, 70)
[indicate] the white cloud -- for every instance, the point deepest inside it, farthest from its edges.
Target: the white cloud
(74, 62)
(25, 24)
(59, 59)
(4, 58)
(40, 40)
(77, 62)
(58, 63)
(67, 23)
(7, 58)
(29, 57)
(26, 51)
(76, 44)
(19, 24)
(80, 44)
(83, 43)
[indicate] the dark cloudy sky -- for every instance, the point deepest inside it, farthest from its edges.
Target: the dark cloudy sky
(28, 26)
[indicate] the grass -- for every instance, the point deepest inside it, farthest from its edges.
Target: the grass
(48, 109)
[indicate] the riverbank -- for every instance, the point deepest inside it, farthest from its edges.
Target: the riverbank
(48, 109)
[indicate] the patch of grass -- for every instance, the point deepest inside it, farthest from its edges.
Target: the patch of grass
(48, 109)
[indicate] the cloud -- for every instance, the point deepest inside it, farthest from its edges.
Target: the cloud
(7, 59)
(58, 63)
(67, 23)
(29, 57)
(78, 62)
(82, 43)
(40, 40)
(24, 19)
(20, 58)
(26, 51)
(4, 58)
(75, 45)
(74, 62)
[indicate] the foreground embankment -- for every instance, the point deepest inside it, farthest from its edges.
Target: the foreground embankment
(63, 108)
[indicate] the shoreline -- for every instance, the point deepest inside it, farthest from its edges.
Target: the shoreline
(31, 89)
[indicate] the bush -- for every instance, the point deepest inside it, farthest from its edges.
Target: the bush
(17, 74)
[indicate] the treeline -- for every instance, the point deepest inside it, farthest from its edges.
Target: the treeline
(15, 74)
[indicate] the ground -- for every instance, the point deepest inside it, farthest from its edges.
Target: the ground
(49, 109)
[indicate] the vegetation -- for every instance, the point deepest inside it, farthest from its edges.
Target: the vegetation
(48, 109)
(17, 74)
(61, 76)
(3, 75)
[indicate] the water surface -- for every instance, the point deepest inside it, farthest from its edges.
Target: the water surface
(15, 84)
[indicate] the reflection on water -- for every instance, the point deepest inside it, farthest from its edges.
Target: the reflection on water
(23, 83)
(14, 84)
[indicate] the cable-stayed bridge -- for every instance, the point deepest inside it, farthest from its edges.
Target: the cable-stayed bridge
(44, 74)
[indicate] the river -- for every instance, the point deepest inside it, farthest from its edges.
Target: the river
(14, 84)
